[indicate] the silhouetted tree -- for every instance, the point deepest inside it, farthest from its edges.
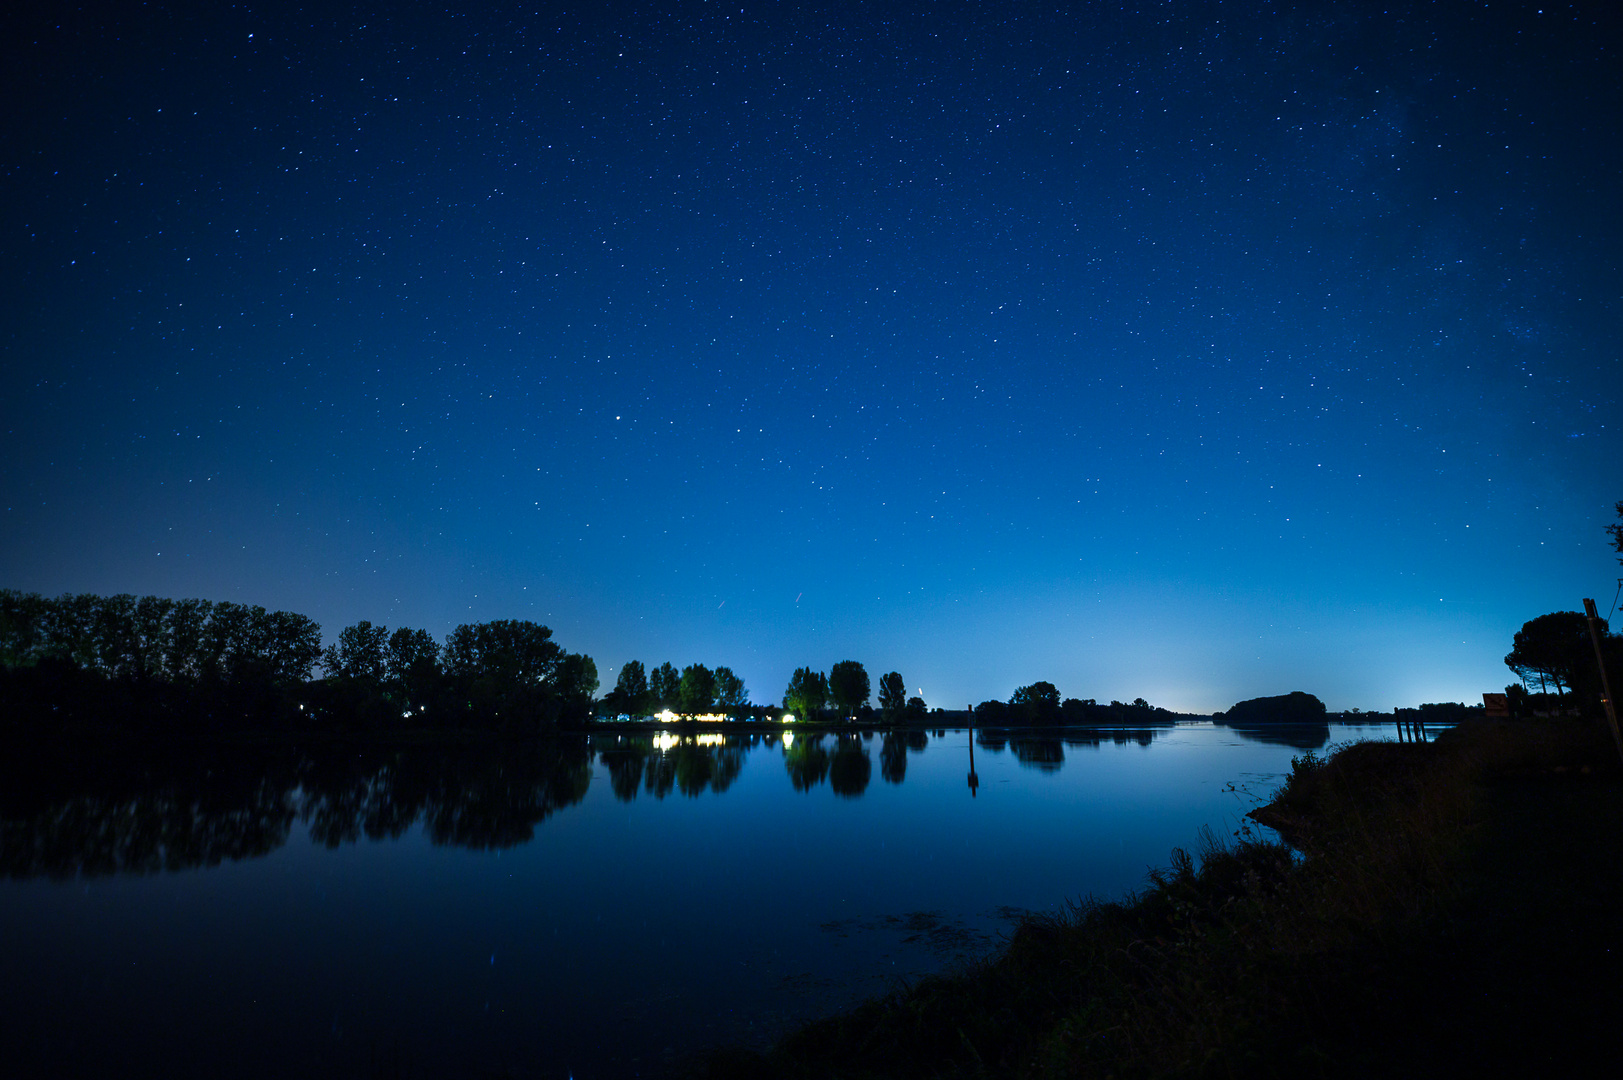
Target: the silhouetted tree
(409, 654)
(1617, 533)
(665, 683)
(188, 623)
(1035, 704)
(22, 627)
(360, 653)
(697, 690)
(916, 711)
(152, 617)
(291, 646)
(576, 682)
(730, 692)
(848, 686)
(807, 693)
(515, 652)
(991, 713)
(1553, 649)
(892, 696)
(630, 694)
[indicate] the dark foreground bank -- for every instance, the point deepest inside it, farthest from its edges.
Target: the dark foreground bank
(1450, 910)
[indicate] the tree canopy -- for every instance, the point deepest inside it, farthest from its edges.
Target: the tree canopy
(1552, 650)
(807, 693)
(892, 695)
(848, 686)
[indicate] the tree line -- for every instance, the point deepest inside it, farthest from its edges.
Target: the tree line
(694, 690)
(194, 662)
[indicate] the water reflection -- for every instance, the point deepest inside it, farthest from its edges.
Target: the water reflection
(663, 762)
(1300, 736)
(1042, 752)
(850, 768)
(806, 761)
(71, 812)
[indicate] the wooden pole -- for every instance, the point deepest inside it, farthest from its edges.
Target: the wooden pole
(974, 781)
(1605, 683)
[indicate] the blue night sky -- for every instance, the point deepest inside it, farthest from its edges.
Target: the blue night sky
(1191, 351)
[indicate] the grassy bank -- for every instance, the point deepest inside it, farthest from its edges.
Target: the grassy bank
(1449, 910)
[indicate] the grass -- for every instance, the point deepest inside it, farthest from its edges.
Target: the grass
(1448, 909)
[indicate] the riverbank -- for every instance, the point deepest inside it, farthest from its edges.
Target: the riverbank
(1449, 909)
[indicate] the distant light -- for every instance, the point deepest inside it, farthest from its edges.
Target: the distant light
(788, 717)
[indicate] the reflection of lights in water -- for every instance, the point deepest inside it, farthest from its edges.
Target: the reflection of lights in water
(788, 739)
(666, 740)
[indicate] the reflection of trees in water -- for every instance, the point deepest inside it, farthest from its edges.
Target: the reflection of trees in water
(1300, 736)
(893, 752)
(806, 761)
(893, 758)
(1078, 738)
(478, 797)
(850, 769)
(70, 813)
(624, 759)
(660, 764)
(1038, 752)
(993, 739)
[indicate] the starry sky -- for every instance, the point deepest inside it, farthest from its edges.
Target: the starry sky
(1192, 351)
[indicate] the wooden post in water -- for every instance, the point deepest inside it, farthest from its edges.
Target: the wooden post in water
(1605, 683)
(974, 781)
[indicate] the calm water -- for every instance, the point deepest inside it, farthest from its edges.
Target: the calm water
(587, 908)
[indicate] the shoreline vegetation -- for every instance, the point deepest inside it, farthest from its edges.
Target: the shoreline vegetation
(1441, 909)
(97, 665)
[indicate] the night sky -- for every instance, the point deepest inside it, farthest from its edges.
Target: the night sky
(1191, 351)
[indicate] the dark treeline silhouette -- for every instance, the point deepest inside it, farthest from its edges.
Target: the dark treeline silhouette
(842, 696)
(695, 690)
(149, 663)
(1295, 719)
(1039, 705)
